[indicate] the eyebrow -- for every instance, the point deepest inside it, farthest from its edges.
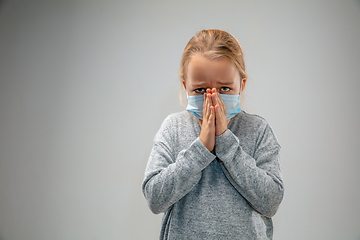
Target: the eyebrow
(225, 83)
(200, 84)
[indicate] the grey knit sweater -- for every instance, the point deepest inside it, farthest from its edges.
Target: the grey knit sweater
(230, 193)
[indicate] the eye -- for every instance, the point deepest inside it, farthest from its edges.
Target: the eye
(224, 89)
(199, 90)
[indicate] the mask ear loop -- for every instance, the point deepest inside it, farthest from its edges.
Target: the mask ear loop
(240, 94)
(241, 81)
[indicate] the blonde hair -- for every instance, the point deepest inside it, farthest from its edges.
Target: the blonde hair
(213, 44)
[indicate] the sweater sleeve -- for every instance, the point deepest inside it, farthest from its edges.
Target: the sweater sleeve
(258, 179)
(169, 177)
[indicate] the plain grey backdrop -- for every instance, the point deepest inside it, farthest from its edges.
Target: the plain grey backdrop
(85, 85)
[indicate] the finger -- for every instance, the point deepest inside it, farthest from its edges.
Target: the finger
(211, 106)
(212, 116)
(216, 109)
(205, 107)
(220, 102)
(214, 99)
(219, 114)
(214, 93)
(221, 123)
(210, 98)
(213, 96)
(220, 110)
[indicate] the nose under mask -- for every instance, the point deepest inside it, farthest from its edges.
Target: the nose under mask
(231, 102)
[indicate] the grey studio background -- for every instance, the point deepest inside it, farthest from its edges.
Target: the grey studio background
(85, 86)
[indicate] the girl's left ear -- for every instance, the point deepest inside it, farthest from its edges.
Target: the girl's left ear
(243, 84)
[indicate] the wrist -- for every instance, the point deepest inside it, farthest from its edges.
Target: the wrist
(220, 132)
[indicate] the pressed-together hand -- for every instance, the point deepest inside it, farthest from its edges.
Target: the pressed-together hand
(220, 114)
(214, 121)
(207, 134)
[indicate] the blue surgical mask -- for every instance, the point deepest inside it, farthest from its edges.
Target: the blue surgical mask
(231, 102)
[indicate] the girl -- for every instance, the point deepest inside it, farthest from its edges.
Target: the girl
(214, 170)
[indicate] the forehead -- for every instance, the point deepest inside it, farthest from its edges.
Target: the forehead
(201, 68)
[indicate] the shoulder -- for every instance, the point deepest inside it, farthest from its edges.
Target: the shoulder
(174, 122)
(250, 121)
(178, 116)
(175, 119)
(254, 125)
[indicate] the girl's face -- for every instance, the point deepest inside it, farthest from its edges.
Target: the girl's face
(203, 73)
